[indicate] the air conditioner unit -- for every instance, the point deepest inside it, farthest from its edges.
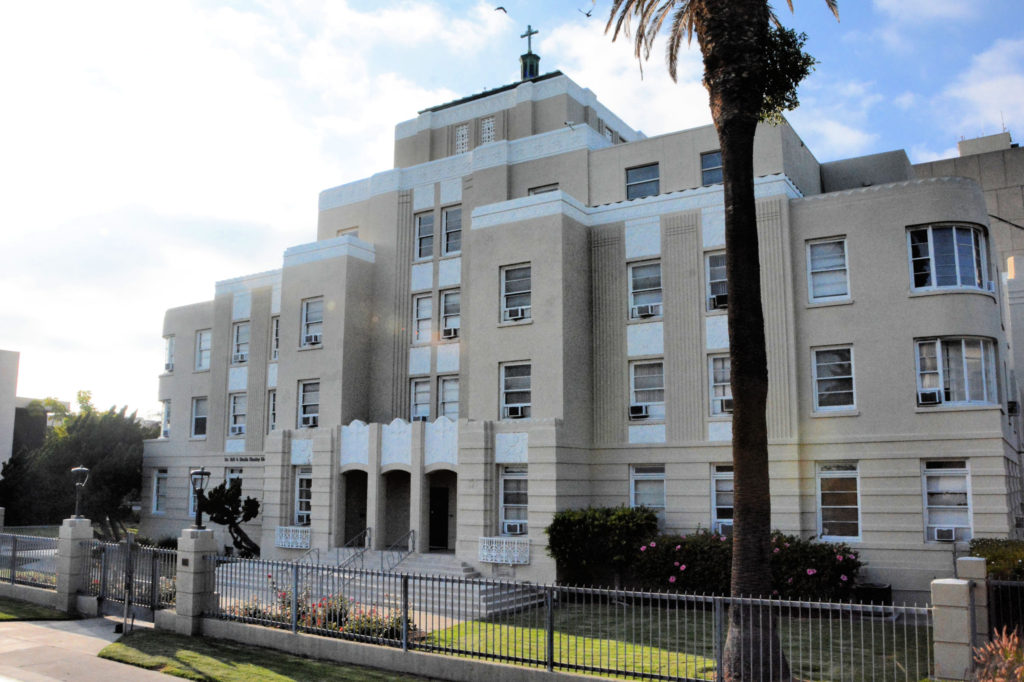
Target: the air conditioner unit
(945, 534)
(639, 411)
(238, 430)
(237, 358)
(419, 417)
(311, 340)
(514, 528)
(310, 420)
(719, 301)
(168, 366)
(727, 405)
(990, 286)
(517, 313)
(450, 333)
(647, 310)
(1013, 408)
(932, 397)
(516, 411)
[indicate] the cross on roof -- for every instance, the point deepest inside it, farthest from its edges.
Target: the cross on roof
(530, 32)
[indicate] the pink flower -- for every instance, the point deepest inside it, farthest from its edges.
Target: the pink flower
(653, 544)
(775, 551)
(811, 571)
(786, 544)
(683, 567)
(723, 538)
(643, 548)
(671, 578)
(839, 557)
(851, 556)
(790, 581)
(775, 591)
(678, 547)
(677, 563)
(843, 578)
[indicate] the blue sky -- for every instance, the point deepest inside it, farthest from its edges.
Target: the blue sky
(149, 149)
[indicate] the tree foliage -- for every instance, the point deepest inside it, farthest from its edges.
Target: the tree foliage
(225, 507)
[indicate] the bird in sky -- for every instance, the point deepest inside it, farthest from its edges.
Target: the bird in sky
(499, 7)
(586, 14)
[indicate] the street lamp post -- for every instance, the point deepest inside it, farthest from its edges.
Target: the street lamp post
(80, 475)
(199, 477)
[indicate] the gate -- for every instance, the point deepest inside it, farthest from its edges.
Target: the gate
(132, 579)
(1005, 605)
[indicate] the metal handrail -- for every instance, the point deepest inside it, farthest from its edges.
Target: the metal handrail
(388, 559)
(360, 542)
(308, 553)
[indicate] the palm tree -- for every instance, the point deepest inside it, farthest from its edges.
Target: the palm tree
(751, 69)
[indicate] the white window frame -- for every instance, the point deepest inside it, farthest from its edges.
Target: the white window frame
(979, 253)
(717, 286)
(422, 318)
(508, 387)
(240, 338)
(461, 138)
(711, 168)
(722, 484)
(238, 405)
(311, 408)
(451, 319)
(275, 337)
(989, 373)
(487, 129)
(837, 470)
(303, 510)
(655, 408)
(424, 237)
(646, 472)
(811, 271)
(818, 380)
(169, 353)
(160, 491)
(451, 231)
(231, 475)
(719, 391)
(204, 347)
(312, 322)
(645, 294)
(419, 399)
(195, 416)
(640, 187)
(507, 296)
(271, 410)
(165, 419)
(513, 472)
(446, 406)
(943, 468)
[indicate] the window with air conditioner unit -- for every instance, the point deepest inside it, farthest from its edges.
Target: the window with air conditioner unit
(721, 499)
(956, 371)
(169, 353)
(719, 373)
(514, 496)
(309, 404)
(516, 293)
(312, 321)
(451, 314)
(947, 500)
(237, 408)
(419, 408)
(239, 343)
(647, 390)
(645, 290)
(515, 392)
(717, 284)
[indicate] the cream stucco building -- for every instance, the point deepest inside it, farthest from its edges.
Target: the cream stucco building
(527, 314)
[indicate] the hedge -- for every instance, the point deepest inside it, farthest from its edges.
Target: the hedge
(596, 545)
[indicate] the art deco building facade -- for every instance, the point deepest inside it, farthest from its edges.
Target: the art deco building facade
(527, 314)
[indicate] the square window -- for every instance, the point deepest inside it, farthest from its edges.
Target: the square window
(515, 391)
(423, 317)
(419, 409)
(722, 499)
(448, 397)
(239, 343)
(516, 293)
(312, 321)
(947, 500)
(309, 404)
(642, 181)
(721, 386)
(838, 502)
(647, 390)
(204, 341)
(827, 275)
(645, 290)
(711, 168)
(452, 221)
(199, 410)
(647, 486)
(833, 379)
(717, 284)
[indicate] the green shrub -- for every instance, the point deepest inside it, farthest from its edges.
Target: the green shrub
(1004, 558)
(597, 544)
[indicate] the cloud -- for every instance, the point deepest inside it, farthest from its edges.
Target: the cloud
(989, 93)
(917, 11)
(835, 116)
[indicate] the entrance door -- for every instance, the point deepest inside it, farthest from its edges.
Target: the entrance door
(438, 517)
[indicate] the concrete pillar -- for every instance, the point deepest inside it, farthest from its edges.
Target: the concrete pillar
(196, 580)
(952, 628)
(419, 497)
(375, 497)
(72, 562)
(973, 569)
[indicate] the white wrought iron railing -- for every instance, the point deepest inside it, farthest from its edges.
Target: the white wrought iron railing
(504, 549)
(293, 537)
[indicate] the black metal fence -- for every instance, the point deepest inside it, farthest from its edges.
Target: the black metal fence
(147, 574)
(28, 560)
(1005, 605)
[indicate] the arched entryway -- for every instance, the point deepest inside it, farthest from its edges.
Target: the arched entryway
(396, 485)
(442, 490)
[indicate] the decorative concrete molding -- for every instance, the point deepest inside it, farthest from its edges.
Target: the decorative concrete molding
(422, 277)
(716, 332)
(712, 227)
(645, 339)
(396, 443)
(238, 378)
(449, 272)
(423, 197)
(419, 360)
(448, 358)
(234, 445)
(720, 431)
(246, 283)
(355, 443)
(451, 191)
(649, 433)
(302, 451)
(504, 550)
(293, 537)
(442, 442)
(643, 237)
(511, 448)
(241, 305)
(326, 249)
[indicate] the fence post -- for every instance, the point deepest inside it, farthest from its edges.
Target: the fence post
(719, 626)
(295, 597)
(952, 634)
(14, 558)
(196, 579)
(154, 579)
(405, 612)
(549, 626)
(973, 569)
(72, 562)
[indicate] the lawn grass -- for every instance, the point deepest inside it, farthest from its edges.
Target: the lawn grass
(217, 660)
(12, 609)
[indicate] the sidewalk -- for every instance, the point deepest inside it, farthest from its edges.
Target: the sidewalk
(35, 651)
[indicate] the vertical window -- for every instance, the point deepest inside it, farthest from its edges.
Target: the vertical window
(448, 397)
(422, 313)
(711, 168)
(452, 227)
(487, 130)
(204, 339)
(275, 337)
(956, 371)
(424, 235)
(165, 421)
(948, 256)
(451, 308)
(515, 293)
(309, 404)
(169, 354)
(312, 321)
(721, 499)
(233, 477)
(647, 486)
(160, 491)
(199, 407)
(515, 391)
(462, 138)
(514, 499)
(947, 501)
(237, 407)
(303, 495)
(240, 343)
(827, 276)
(833, 379)
(721, 386)
(271, 410)
(641, 181)
(644, 290)
(419, 408)
(838, 502)
(718, 286)
(647, 390)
